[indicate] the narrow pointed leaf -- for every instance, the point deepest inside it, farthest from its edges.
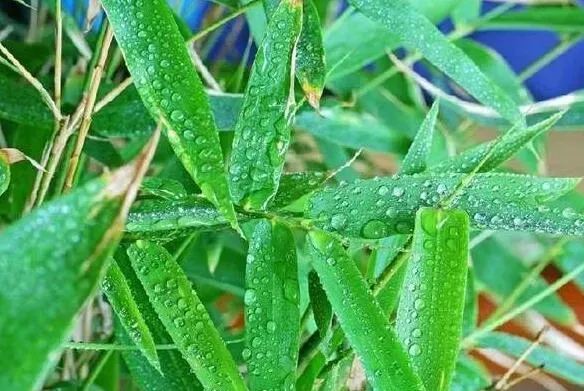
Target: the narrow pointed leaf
(469, 375)
(559, 19)
(499, 272)
(126, 116)
(493, 201)
(552, 362)
(175, 373)
(353, 130)
(162, 187)
(417, 157)
(22, 104)
(310, 61)
(184, 316)
(386, 362)
(430, 311)
(118, 292)
(498, 151)
(321, 307)
(272, 330)
(4, 173)
(262, 133)
(401, 18)
(61, 249)
(296, 185)
(171, 90)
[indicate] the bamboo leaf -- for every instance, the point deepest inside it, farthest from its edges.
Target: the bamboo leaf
(262, 133)
(401, 18)
(310, 65)
(494, 201)
(118, 292)
(552, 362)
(171, 90)
(271, 307)
(162, 187)
(496, 152)
(353, 130)
(126, 116)
(430, 311)
(500, 271)
(469, 375)
(417, 157)
(310, 60)
(321, 307)
(4, 173)
(555, 18)
(175, 372)
(184, 316)
(22, 104)
(62, 249)
(386, 363)
(295, 185)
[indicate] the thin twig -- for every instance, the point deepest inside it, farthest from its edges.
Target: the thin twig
(200, 66)
(88, 113)
(113, 94)
(503, 381)
(33, 81)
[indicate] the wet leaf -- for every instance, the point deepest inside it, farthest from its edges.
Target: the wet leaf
(272, 330)
(118, 292)
(62, 249)
(401, 18)
(430, 311)
(296, 185)
(493, 201)
(262, 133)
(417, 157)
(386, 362)
(156, 57)
(497, 151)
(161, 187)
(4, 173)
(559, 19)
(321, 307)
(175, 374)
(184, 316)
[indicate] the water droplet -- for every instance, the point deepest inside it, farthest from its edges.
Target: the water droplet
(397, 191)
(331, 261)
(383, 190)
(415, 350)
(375, 229)
(339, 221)
(249, 297)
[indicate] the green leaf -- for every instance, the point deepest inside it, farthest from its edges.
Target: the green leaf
(184, 316)
(417, 157)
(500, 271)
(310, 60)
(272, 314)
(430, 311)
(471, 305)
(558, 19)
(497, 151)
(310, 63)
(61, 248)
(469, 375)
(262, 133)
(118, 292)
(176, 374)
(466, 12)
(161, 187)
(552, 362)
(171, 90)
(494, 201)
(401, 18)
(296, 185)
(22, 104)
(495, 67)
(570, 258)
(321, 307)
(386, 362)
(353, 130)
(4, 173)
(126, 115)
